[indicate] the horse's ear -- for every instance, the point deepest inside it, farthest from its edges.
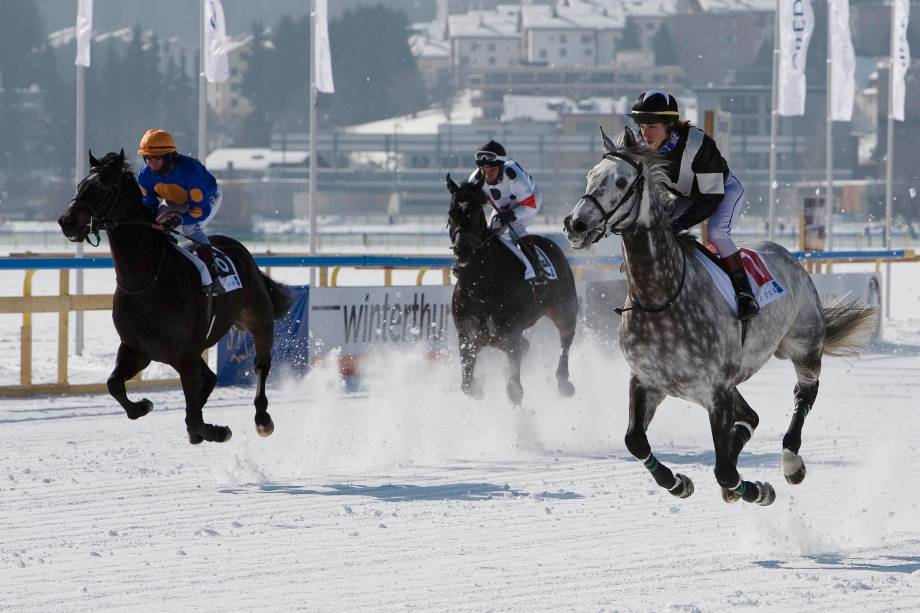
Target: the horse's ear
(93, 162)
(452, 187)
(629, 138)
(120, 160)
(609, 146)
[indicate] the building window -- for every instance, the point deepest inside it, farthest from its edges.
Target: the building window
(491, 46)
(562, 38)
(491, 61)
(586, 38)
(542, 54)
(588, 51)
(562, 52)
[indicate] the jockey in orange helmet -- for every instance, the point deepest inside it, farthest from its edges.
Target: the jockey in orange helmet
(180, 193)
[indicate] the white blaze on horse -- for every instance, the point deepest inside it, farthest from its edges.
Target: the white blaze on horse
(682, 338)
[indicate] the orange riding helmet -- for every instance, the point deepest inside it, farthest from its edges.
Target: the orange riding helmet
(156, 141)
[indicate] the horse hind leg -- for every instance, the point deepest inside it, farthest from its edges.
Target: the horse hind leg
(643, 402)
(565, 321)
(192, 375)
(263, 341)
(807, 369)
(128, 363)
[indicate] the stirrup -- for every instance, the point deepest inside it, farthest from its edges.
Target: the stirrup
(747, 307)
(215, 289)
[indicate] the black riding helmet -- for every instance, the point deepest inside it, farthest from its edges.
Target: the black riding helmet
(655, 106)
(491, 154)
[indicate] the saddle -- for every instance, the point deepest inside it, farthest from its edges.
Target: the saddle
(229, 278)
(766, 288)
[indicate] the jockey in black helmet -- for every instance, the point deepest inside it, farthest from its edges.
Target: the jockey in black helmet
(516, 199)
(700, 177)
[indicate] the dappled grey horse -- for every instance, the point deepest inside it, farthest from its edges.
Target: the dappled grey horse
(681, 338)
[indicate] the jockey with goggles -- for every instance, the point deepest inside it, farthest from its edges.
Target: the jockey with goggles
(180, 193)
(515, 199)
(705, 187)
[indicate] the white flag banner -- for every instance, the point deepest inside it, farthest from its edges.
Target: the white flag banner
(900, 56)
(796, 23)
(84, 31)
(322, 56)
(216, 64)
(842, 87)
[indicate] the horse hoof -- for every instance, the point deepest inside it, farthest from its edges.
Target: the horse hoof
(793, 467)
(265, 430)
(730, 496)
(566, 389)
(515, 393)
(223, 435)
(140, 409)
(683, 488)
(194, 438)
(473, 390)
(767, 495)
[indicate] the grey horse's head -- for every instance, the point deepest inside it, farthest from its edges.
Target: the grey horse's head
(624, 194)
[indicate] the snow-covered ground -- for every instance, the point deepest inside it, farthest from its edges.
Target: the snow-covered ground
(407, 495)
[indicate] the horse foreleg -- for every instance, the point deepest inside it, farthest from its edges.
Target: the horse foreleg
(128, 363)
(514, 347)
(263, 364)
(191, 373)
(469, 350)
(728, 436)
(643, 401)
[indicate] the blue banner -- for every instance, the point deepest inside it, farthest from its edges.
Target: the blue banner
(290, 353)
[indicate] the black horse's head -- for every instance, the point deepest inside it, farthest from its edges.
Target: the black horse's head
(109, 194)
(466, 219)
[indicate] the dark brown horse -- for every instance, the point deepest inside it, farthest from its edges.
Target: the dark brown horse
(159, 309)
(493, 304)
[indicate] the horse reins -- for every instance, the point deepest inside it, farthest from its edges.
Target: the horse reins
(636, 305)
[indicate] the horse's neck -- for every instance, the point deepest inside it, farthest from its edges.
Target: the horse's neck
(137, 252)
(653, 265)
(476, 276)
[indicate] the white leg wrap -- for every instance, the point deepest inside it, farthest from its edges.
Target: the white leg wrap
(747, 426)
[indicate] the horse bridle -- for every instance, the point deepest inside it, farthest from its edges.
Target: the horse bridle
(635, 188)
(97, 222)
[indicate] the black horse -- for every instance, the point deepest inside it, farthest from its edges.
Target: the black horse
(493, 304)
(159, 309)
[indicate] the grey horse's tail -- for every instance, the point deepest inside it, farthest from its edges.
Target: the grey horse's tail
(848, 327)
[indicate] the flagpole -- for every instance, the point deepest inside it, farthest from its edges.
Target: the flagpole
(889, 158)
(79, 171)
(829, 196)
(311, 191)
(202, 89)
(774, 121)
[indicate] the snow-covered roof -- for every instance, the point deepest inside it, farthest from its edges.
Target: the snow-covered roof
(423, 122)
(483, 24)
(427, 40)
(580, 17)
(551, 108)
(737, 6)
(252, 158)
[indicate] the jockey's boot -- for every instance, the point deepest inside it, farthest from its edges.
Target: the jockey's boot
(540, 279)
(207, 256)
(747, 305)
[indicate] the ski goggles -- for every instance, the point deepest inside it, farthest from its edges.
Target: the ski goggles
(488, 158)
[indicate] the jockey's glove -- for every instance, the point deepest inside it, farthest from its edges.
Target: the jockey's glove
(169, 220)
(506, 216)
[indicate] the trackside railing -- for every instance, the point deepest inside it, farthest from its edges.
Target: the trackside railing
(329, 268)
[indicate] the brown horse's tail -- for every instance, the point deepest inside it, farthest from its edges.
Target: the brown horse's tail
(848, 328)
(281, 298)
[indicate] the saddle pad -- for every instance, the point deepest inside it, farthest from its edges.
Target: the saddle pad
(545, 262)
(766, 289)
(229, 278)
